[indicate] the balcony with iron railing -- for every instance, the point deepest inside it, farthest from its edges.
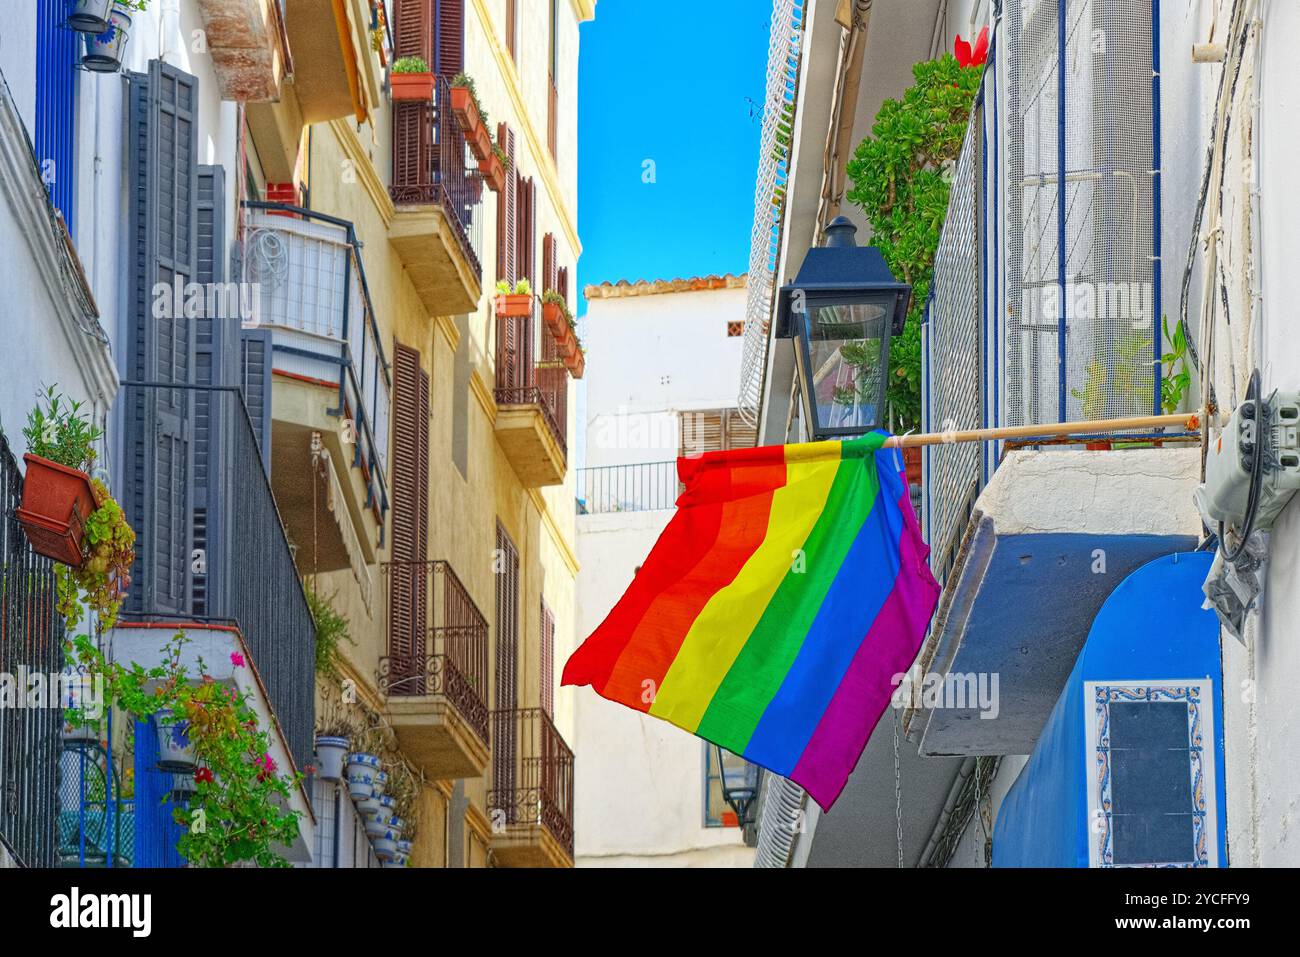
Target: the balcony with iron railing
(531, 797)
(631, 487)
(437, 190)
(435, 673)
(532, 403)
(314, 356)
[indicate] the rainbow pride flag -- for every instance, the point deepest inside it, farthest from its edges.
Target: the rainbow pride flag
(775, 609)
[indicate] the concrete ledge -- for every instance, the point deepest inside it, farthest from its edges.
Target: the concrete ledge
(1052, 535)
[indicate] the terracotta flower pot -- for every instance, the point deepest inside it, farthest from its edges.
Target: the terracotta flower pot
(511, 306)
(467, 116)
(1097, 446)
(912, 463)
(57, 500)
(556, 323)
(494, 172)
(412, 87)
(577, 365)
(567, 344)
(479, 141)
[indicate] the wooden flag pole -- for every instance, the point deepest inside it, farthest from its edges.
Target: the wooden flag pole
(1190, 421)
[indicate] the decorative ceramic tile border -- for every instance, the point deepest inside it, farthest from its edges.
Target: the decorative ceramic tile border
(1199, 697)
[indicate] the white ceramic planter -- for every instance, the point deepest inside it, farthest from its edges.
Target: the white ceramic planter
(175, 752)
(90, 16)
(330, 751)
(104, 51)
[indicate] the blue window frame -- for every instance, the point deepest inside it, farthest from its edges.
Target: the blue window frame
(57, 56)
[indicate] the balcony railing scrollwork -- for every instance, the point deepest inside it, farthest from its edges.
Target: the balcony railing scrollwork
(438, 640)
(532, 774)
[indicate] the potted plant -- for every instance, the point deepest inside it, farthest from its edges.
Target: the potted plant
(58, 497)
(331, 746)
(100, 579)
(577, 363)
(555, 313)
(89, 16)
(104, 50)
(912, 464)
(381, 783)
(411, 80)
(494, 169)
(175, 751)
(470, 116)
(516, 304)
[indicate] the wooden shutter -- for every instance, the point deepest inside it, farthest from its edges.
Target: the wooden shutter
(408, 579)
(413, 29)
(550, 272)
(739, 433)
(212, 366)
(526, 230)
(548, 661)
(562, 283)
(255, 380)
(451, 37)
(507, 210)
(700, 432)
(162, 148)
(512, 28)
(505, 730)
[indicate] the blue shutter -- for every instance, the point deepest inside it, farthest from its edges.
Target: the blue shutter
(57, 56)
(163, 179)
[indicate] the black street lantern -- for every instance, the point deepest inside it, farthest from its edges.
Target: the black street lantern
(842, 308)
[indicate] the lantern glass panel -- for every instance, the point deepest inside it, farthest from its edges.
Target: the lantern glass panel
(848, 352)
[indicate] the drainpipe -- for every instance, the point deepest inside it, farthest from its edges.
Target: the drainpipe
(967, 768)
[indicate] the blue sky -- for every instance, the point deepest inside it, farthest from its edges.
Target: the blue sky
(669, 85)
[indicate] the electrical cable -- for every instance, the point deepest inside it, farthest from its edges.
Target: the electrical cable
(1256, 475)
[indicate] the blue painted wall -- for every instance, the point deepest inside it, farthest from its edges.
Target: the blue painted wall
(1151, 628)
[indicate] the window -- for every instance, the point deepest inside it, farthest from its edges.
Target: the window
(553, 68)
(714, 430)
(512, 28)
(57, 50)
(1150, 763)
(460, 400)
(548, 661)
(737, 771)
(735, 329)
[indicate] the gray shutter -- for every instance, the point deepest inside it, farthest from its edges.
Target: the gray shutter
(162, 148)
(211, 364)
(255, 378)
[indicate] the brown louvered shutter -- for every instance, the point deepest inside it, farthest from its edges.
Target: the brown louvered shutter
(504, 728)
(512, 27)
(506, 210)
(548, 263)
(526, 230)
(701, 432)
(408, 582)
(562, 283)
(451, 37)
(548, 661)
(739, 433)
(413, 29)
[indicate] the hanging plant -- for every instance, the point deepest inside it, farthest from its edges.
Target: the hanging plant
(900, 181)
(104, 574)
(235, 813)
(332, 630)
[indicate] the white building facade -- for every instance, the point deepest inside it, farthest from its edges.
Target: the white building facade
(664, 360)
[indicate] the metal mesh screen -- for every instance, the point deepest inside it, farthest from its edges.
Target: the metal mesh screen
(1081, 300)
(769, 197)
(953, 357)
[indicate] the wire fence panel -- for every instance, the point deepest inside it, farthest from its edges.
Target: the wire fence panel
(31, 642)
(775, 143)
(953, 358)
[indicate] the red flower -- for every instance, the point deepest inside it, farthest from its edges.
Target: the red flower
(967, 57)
(203, 775)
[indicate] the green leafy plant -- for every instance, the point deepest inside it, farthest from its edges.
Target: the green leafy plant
(463, 79)
(105, 573)
(1176, 377)
(332, 630)
(410, 64)
(1126, 374)
(900, 181)
(134, 6)
(237, 811)
(57, 430)
(522, 288)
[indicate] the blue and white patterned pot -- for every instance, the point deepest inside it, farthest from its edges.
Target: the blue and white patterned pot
(385, 848)
(404, 848)
(376, 824)
(381, 782)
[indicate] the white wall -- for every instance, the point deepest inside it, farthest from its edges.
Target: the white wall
(639, 781)
(652, 356)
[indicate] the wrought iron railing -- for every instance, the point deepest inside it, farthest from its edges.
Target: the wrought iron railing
(31, 641)
(532, 776)
(432, 165)
(521, 380)
(636, 487)
(312, 294)
(250, 575)
(437, 640)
